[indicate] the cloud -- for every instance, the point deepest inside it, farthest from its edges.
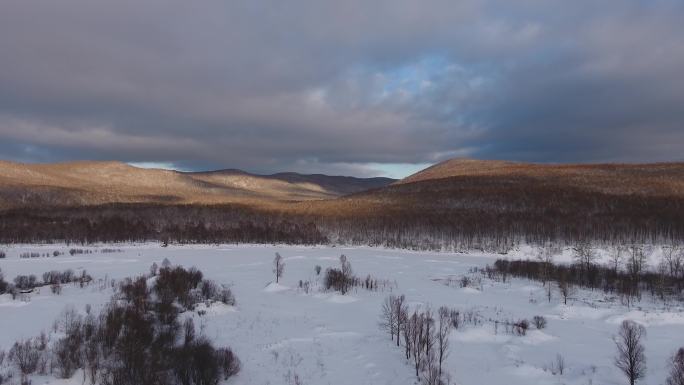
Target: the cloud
(350, 87)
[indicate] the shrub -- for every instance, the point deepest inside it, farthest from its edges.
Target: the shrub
(225, 295)
(228, 362)
(455, 317)
(539, 322)
(25, 282)
(209, 289)
(25, 355)
(521, 327)
(177, 283)
(67, 356)
(136, 338)
(3, 284)
(335, 279)
(56, 289)
(676, 376)
(2, 254)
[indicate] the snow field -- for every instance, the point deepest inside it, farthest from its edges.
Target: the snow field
(280, 332)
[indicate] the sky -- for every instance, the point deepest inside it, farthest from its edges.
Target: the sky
(354, 87)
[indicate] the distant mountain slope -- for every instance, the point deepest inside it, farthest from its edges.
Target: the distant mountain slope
(96, 183)
(468, 203)
(527, 188)
(455, 205)
(657, 179)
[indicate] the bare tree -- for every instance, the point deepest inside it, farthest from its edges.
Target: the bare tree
(674, 257)
(92, 360)
(431, 376)
(443, 337)
(429, 337)
(565, 288)
(676, 376)
(636, 263)
(630, 358)
(407, 332)
(399, 309)
(661, 279)
(347, 273)
(278, 266)
(559, 364)
(585, 256)
(154, 269)
(389, 316)
(417, 329)
(545, 257)
(616, 257)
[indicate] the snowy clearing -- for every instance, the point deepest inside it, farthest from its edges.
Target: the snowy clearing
(279, 331)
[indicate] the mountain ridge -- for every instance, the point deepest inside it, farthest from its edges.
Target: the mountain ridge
(102, 182)
(454, 205)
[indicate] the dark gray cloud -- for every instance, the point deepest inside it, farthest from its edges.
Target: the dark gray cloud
(341, 87)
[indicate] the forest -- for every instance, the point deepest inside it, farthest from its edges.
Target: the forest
(359, 221)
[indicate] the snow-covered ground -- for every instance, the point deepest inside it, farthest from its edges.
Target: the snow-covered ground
(280, 332)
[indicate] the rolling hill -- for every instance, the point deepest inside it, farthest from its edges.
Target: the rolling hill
(98, 183)
(657, 179)
(468, 184)
(462, 204)
(459, 204)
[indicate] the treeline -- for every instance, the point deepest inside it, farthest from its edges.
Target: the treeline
(131, 223)
(137, 339)
(497, 219)
(626, 275)
(55, 279)
(456, 215)
(538, 209)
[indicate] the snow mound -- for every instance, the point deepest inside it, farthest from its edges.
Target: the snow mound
(480, 335)
(582, 312)
(216, 308)
(536, 337)
(6, 301)
(338, 298)
(469, 290)
(649, 319)
(275, 287)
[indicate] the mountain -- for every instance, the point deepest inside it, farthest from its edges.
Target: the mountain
(460, 204)
(466, 203)
(501, 186)
(98, 183)
(657, 179)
